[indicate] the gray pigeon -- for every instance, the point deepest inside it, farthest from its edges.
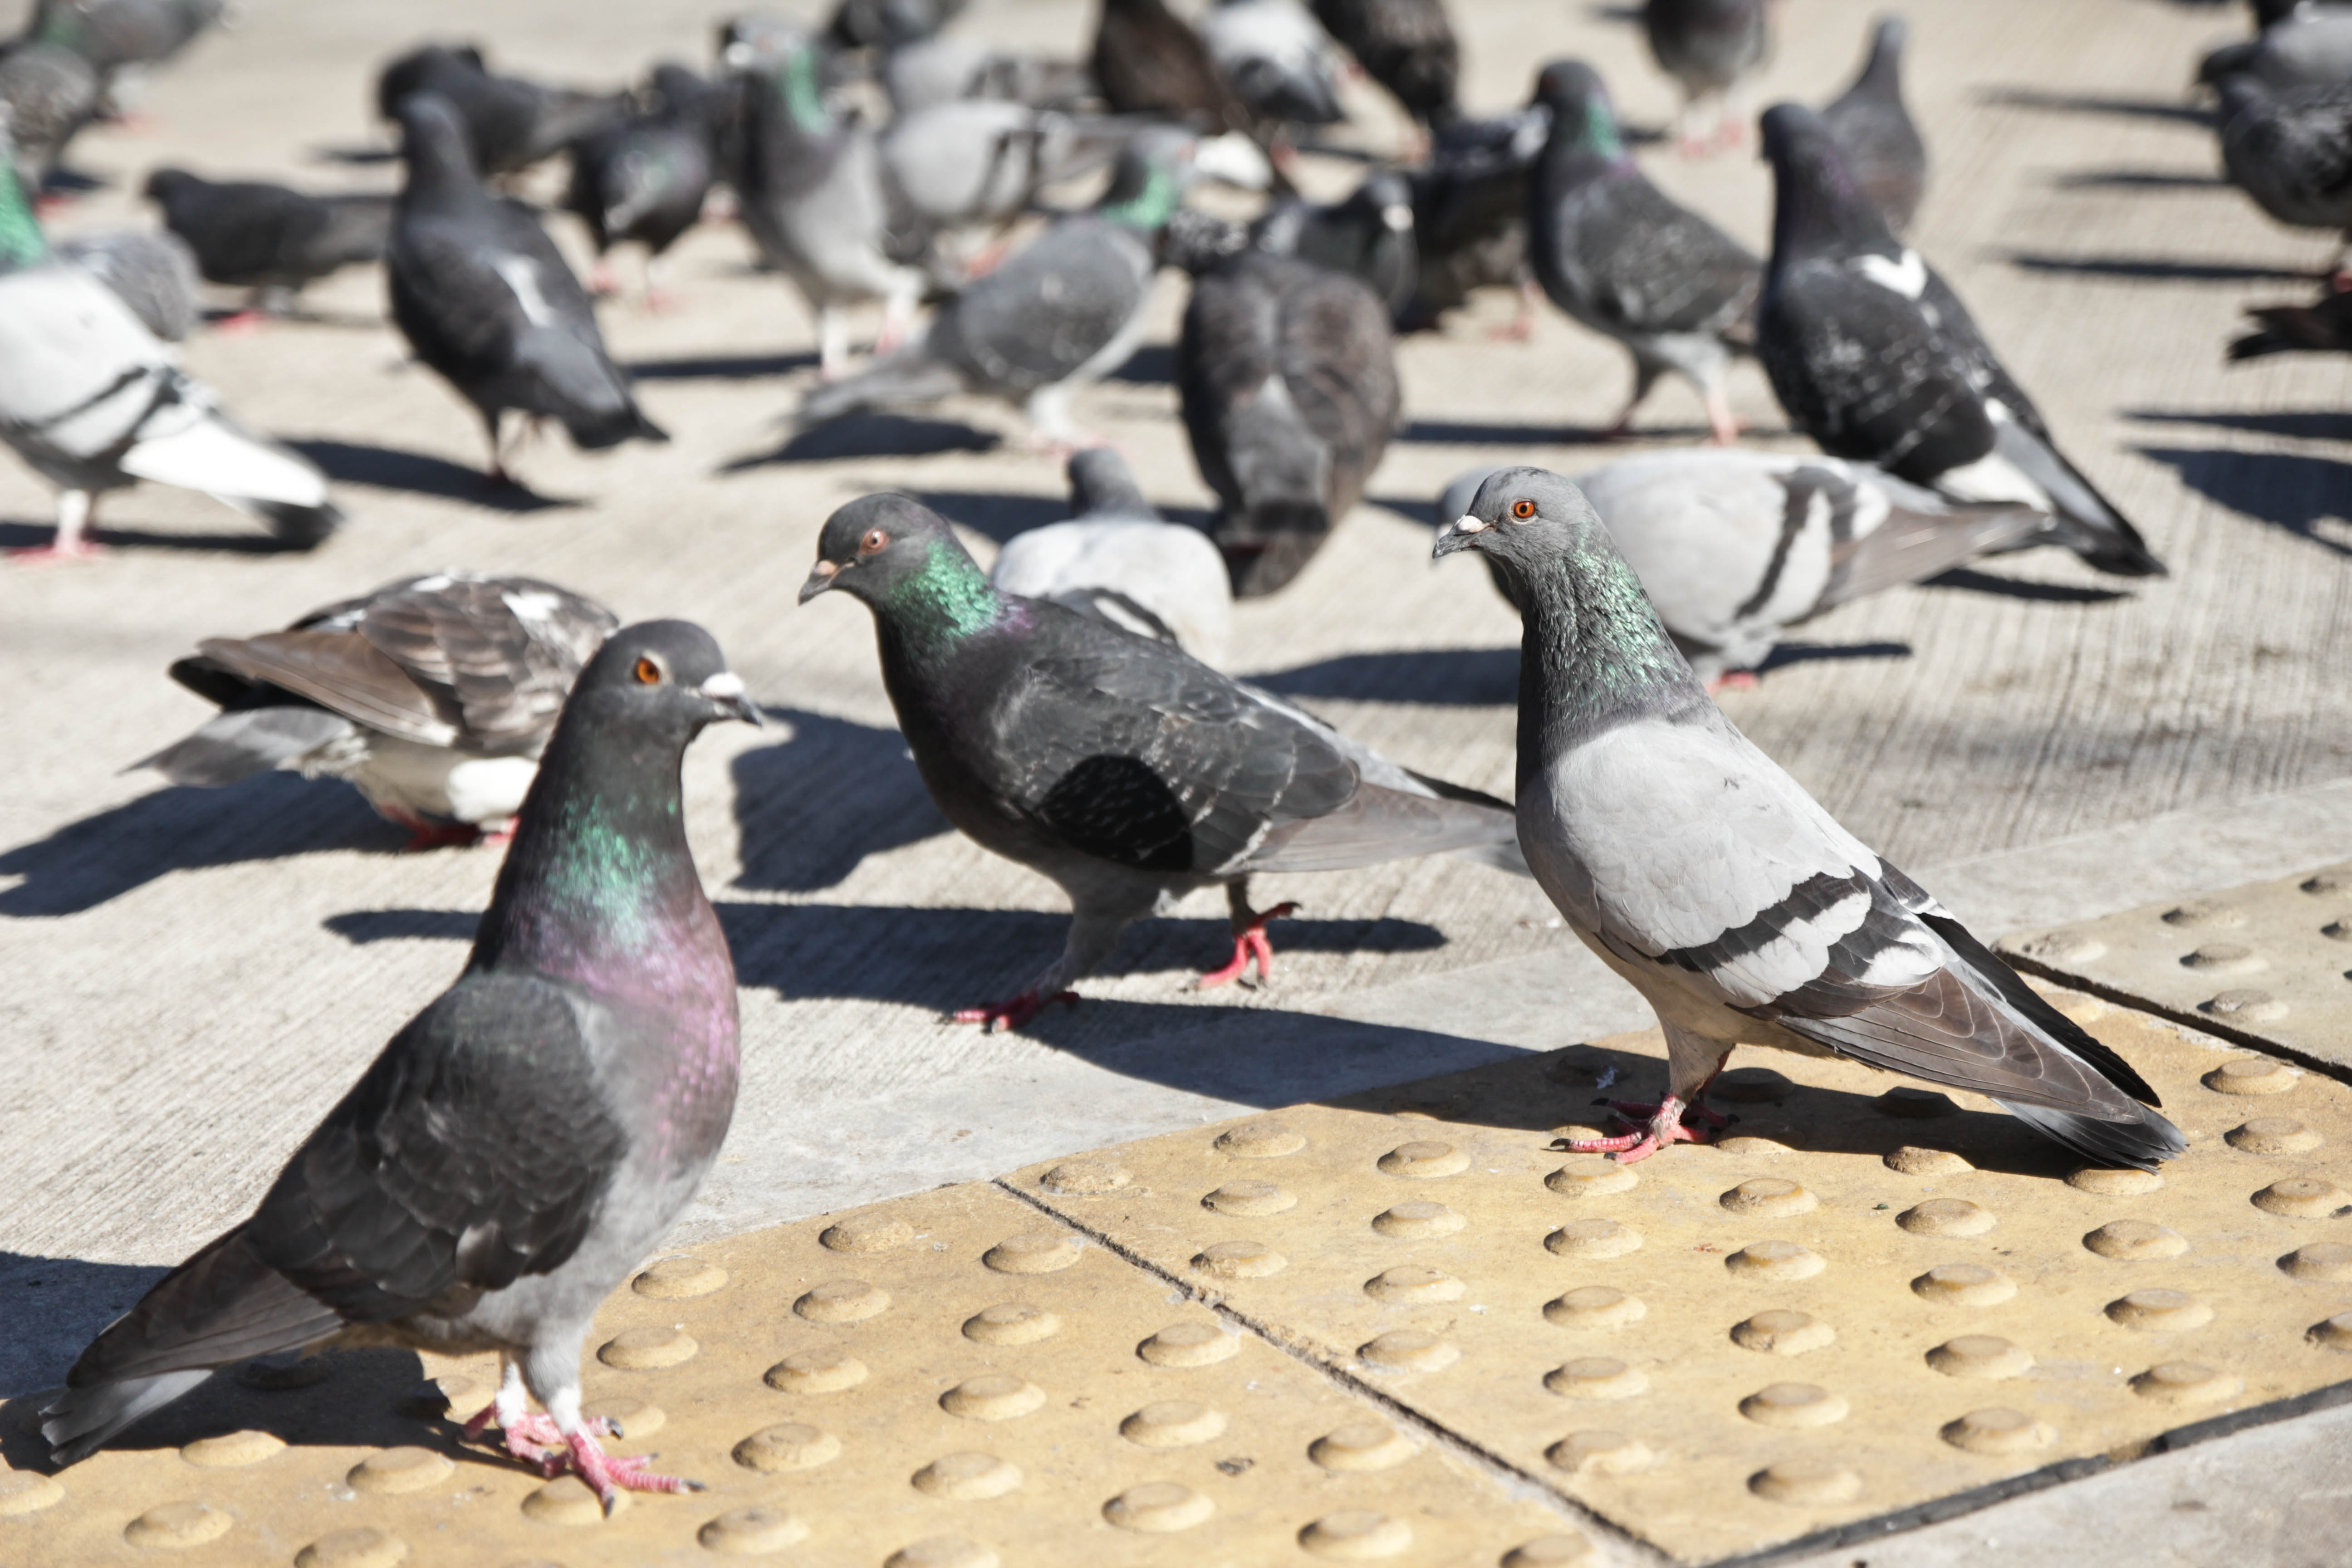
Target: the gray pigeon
(1118, 561)
(1369, 235)
(2291, 151)
(2309, 44)
(522, 1144)
(952, 66)
(1735, 547)
(94, 400)
(122, 37)
(433, 696)
(150, 270)
(1876, 358)
(1059, 314)
(249, 234)
(1119, 766)
(484, 298)
(809, 189)
(49, 93)
(1615, 252)
(1873, 130)
(1278, 58)
(1286, 374)
(974, 161)
(1708, 46)
(1710, 880)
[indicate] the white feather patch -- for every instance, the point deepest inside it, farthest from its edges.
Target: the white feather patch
(208, 454)
(522, 277)
(1993, 478)
(1907, 276)
(1793, 959)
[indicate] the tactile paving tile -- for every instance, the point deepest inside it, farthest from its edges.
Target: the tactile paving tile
(2269, 962)
(949, 1381)
(1865, 1298)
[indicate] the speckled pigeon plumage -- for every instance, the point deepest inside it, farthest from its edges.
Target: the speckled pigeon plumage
(2291, 151)
(484, 298)
(49, 93)
(150, 270)
(1705, 875)
(510, 123)
(1873, 130)
(1117, 765)
(521, 1145)
(1874, 357)
(1615, 252)
(251, 233)
(432, 696)
(1406, 45)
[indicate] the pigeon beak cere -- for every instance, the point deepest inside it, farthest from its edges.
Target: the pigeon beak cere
(1462, 533)
(725, 689)
(820, 578)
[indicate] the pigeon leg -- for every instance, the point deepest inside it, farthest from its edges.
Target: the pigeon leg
(252, 318)
(658, 298)
(1645, 376)
(602, 282)
(1051, 427)
(1722, 425)
(1249, 939)
(75, 510)
(613, 1474)
(1522, 324)
(831, 343)
(1096, 927)
(499, 476)
(898, 309)
(1664, 1129)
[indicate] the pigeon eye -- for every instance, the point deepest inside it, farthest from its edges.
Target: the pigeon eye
(647, 672)
(873, 541)
(1523, 510)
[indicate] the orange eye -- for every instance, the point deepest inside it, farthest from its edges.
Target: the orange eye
(875, 539)
(647, 672)
(1523, 510)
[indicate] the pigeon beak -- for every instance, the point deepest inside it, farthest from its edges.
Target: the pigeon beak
(725, 690)
(820, 577)
(1462, 533)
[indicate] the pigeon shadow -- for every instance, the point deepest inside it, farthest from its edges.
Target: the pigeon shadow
(1452, 678)
(389, 468)
(809, 810)
(873, 436)
(2305, 425)
(361, 927)
(1975, 581)
(2094, 103)
(1465, 433)
(1153, 364)
(183, 828)
(2137, 180)
(996, 514)
(2292, 490)
(55, 1306)
(1788, 653)
(719, 367)
(355, 155)
(2152, 268)
(35, 536)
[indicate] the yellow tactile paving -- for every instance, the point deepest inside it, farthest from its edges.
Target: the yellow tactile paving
(1860, 1301)
(949, 1381)
(2269, 961)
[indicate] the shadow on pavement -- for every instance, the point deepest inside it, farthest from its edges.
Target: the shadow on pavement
(361, 927)
(2096, 103)
(33, 536)
(1460, 433)
(719, 367)
(2306, 425)
(388, 468)
(809, 810)
(1975, 581)
(53, 1307)
(1789, 653)
(2138, 180)
(179, 829)
(2154, 268)
(996, 514)
(2292, 490)
(873, 436)
(1153, 364)
(1454, 677)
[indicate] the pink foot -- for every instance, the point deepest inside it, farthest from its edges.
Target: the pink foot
(243, 321)
(1636, 1111)
(1517, 330)
(496, 838)
(660, 302)
(1012, 1015)
(601, 282)
(56, 555)
(1249, 945)
(613, 1474)
(1736, 680)
(1666, 1128)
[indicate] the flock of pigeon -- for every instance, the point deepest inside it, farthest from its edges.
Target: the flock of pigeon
(519, 1147)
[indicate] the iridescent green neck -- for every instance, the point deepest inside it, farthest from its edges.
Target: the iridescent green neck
(1604, 655)
(804, 98)
(21, 244)
(1149, 208)
(1600, 133)
(949, 596)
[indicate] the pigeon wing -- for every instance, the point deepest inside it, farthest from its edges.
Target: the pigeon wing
(1055, 305)
(1650, 265)
(504, 650)
(342, 672)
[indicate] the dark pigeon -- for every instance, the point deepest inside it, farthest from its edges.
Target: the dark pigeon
(484, 298)
(509, 123)
(1873, 130)
(2302, 46)
(646, 179)
(1470, 216)
(522, 1144)
(1708, 46)
(1874, 357)
(1707, 877)
(1117, 765)
(2324, 326)
(2291, 151)
(267, 237)
(432, 696)
(1618, 254)
(1287, 374)
(150, 270)
(1149, 60)
(1369, 235)
(888, 24)
(1406, 45)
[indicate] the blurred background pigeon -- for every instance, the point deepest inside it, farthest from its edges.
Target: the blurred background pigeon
(249, 234)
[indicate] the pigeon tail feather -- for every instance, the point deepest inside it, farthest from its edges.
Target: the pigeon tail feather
(300, 527)
(2089, 523)
(2140, 1144)
(235, 746)
(902, 378)
(610, 427)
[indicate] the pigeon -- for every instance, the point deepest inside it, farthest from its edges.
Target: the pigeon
(2323, 326)
(1287, 375)
(809, 188)
(267, 238)
(1149, 60)
(1708, 46)
(1735, 547)
(2291, 151)
(150, 270)
(1873, 130)
(509, 123)
(1406, 45)
(1118, 561)
(2307, 46)
(942, 70)
(1278, 58)
(120, 38)
(1874, 357)
(1707, 877)
(646, 179)
(1615, 253)
(1059, 314)
(1369, 235)
(1117, 765)
(484, 298)
(981, 161)
(519, 1147)
(433, 696)
(888, 24)
(1470, 216)
(49, 93)
(94, 400)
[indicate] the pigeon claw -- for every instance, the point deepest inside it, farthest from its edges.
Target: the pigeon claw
(1250, 945)
(995, 1015)
(611, 1474)
(1666, 1128)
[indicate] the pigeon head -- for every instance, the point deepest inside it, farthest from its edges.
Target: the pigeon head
(1146, 183)
(1102, 485)
(163, 184)
(665, 678)
(1818, 209)
(1526, 520)
(1582, 115)
(679, 90)
(433, 139)
(906, 563)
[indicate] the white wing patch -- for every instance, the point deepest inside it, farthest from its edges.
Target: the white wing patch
(522, 277)
(1793, 959)
(1993, 478)
(532, 606)
(1907, 276)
